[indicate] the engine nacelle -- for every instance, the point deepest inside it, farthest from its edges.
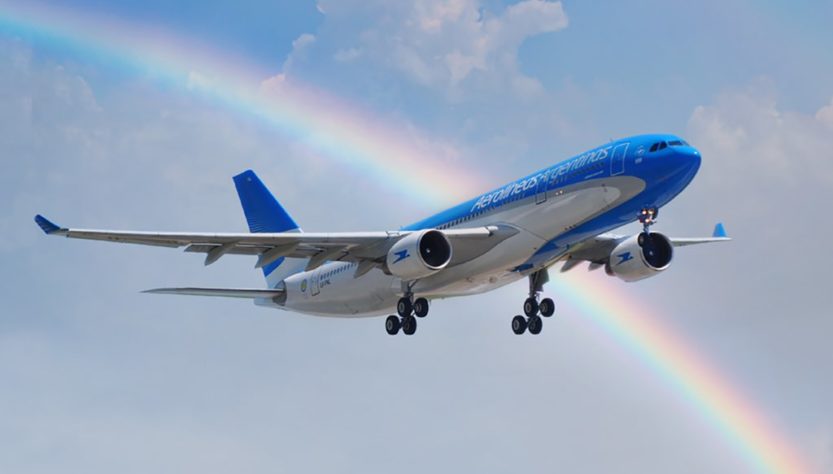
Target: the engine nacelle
(419, 254)
(640, 256)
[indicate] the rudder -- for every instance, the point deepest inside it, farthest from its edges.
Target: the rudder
(265, 214)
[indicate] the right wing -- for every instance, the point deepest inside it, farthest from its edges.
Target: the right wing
(596, 250)
(366, 248)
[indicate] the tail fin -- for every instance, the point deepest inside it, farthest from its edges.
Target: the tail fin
(265, 214)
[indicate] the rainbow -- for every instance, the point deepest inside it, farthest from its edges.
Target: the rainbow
(358, 142)
(400, 158)
(680, 365)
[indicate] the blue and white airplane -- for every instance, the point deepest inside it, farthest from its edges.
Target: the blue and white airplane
(560, 214)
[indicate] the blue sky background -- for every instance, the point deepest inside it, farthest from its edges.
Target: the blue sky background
(99, 378)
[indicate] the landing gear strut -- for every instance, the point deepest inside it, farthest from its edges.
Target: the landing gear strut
(533, 308)
(647, 217)
(408, 310)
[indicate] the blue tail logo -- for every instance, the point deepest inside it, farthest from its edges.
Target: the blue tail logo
(265, 214)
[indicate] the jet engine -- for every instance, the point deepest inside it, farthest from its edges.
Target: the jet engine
(640, 256)
(419, 254)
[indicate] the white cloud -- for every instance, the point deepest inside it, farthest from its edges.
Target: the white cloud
(198, 82)
(825, 114)
(303, 41)
(347, 55)
(442, 44)
(300, 47)
(752, 136)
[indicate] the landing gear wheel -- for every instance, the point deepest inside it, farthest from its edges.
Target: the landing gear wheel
(421, 307)
(535, 325)
(518, 324)
(392, 325)
(404, 307)
(530, 307)
(547, 307)
(409, 325)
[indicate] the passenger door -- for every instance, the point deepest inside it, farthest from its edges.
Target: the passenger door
(314, 283)
(541, 190)
(617, 160)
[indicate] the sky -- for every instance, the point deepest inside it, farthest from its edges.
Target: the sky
(369, 115)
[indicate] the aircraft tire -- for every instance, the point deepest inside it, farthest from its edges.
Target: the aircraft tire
(535, 325)
(404, 307)
(392, 325)
(409, 325)
(547, 307)
(531, 307)
(518, 324)
(421, 307)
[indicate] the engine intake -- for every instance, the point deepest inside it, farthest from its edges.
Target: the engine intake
(419, 254)
(640, 256)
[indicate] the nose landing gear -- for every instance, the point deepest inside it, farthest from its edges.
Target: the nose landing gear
(534, 309)
(647, 217)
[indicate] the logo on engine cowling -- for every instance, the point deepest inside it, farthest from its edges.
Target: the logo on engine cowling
(304, 285)
(624, 257)
(401, 255)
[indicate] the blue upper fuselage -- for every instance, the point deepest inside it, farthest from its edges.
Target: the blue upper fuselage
(665, 163)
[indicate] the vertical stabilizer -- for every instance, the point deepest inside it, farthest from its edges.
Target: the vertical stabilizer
(265, 214)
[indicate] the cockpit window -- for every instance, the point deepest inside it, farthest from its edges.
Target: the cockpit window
(676, 143)
(658, 146)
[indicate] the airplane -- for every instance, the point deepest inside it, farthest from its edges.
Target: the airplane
(560, 214)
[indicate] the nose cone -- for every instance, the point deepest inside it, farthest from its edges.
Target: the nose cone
(688, 158)
(681, 164)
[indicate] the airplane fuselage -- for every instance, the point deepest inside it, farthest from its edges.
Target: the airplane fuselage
(547, 212)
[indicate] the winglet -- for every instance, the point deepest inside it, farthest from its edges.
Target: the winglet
(46, 225)
(719, 231)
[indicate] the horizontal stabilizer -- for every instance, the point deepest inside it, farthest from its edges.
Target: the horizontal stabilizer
(46, 225)
(226, 292)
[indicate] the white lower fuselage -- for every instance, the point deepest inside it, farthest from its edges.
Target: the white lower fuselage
(332, 289)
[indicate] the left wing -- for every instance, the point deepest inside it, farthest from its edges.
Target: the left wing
(369, 248)
(226, 292)
(597, 250)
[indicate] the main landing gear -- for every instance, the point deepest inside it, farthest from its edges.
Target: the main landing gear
(533, 309)
(408, 309)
